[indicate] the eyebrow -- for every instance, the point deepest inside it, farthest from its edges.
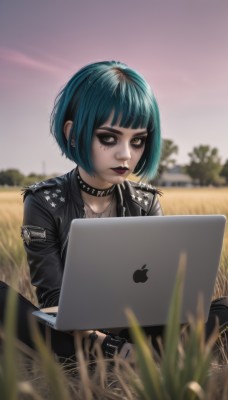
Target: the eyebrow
(118, 132)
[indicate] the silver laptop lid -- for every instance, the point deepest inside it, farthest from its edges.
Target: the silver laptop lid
(114, 263)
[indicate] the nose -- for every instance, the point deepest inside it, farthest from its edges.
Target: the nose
(124, 152)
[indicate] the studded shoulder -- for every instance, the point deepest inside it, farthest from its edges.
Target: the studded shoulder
(146, 187)
(52, 192)
(36, 186)
(143, 194)
(54, 197)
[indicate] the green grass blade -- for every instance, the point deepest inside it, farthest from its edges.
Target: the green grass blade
(193, 391)
(149, 371)
(52, 370)
(169, 365)
(198, 353)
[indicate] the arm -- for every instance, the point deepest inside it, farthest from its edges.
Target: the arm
(42, 246)
(40, 237)
(155, 208)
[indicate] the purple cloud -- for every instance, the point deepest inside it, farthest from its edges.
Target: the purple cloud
(26, 61)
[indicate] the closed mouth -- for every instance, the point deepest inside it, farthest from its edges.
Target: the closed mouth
(120, 170)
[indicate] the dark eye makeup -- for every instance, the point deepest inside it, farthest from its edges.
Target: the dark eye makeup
(110, 140)
(107, 140)
(138, 141)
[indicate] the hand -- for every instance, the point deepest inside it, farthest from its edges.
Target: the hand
(126, 351)
(85, 340)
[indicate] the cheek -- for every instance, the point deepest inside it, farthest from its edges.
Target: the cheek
(138, 154)
(100, 154)
(98, 148)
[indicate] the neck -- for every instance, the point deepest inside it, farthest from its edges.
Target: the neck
(86, 185)
(99, 207)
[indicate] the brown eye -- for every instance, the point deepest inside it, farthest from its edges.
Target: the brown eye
(138, 142)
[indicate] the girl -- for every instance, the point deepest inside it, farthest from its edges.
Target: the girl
(106, 120)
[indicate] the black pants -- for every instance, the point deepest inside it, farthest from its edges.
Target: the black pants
(62, 343)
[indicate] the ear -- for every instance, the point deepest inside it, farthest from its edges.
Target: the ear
(67, 128)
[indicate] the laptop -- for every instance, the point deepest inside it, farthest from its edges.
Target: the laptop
(131, 262)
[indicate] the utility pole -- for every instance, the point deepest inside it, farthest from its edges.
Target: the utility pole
(44, 168)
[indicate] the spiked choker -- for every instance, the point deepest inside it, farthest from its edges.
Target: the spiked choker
(93, 191)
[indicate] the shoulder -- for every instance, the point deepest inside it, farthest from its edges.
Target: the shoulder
(144, 188)
(51, 192)
(137, 189)
(142, 194)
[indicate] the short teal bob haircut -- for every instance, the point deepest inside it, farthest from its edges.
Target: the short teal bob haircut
(91, 96)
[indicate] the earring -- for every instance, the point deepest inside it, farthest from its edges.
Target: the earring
(72, 143)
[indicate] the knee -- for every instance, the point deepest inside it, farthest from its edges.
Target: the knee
(218, 314)
(3, 299)
(3, 285)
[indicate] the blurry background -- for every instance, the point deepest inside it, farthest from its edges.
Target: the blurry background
(180, 46)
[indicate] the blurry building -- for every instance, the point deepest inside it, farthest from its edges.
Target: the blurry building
(175, 177)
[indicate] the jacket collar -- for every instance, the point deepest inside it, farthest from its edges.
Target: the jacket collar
(129, 199)
(78, 201)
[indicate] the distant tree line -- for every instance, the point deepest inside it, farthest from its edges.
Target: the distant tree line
(204, 167)
(13, 177)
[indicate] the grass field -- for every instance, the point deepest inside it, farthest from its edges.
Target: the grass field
(187, 371)
(13, 264)
(174, 201)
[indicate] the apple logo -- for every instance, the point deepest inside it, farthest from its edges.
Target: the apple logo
(140, 275)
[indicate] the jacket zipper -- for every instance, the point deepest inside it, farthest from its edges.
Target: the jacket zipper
(64, 245)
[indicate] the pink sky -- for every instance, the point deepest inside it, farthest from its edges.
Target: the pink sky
(181, 47)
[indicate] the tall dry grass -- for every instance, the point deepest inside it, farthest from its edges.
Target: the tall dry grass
(186, 370)
(13, 264)
(174, 201)
(202, 201)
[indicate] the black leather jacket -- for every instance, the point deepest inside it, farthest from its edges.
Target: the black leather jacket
(49, 208)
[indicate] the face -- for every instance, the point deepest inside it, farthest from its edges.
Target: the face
(115, 153)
